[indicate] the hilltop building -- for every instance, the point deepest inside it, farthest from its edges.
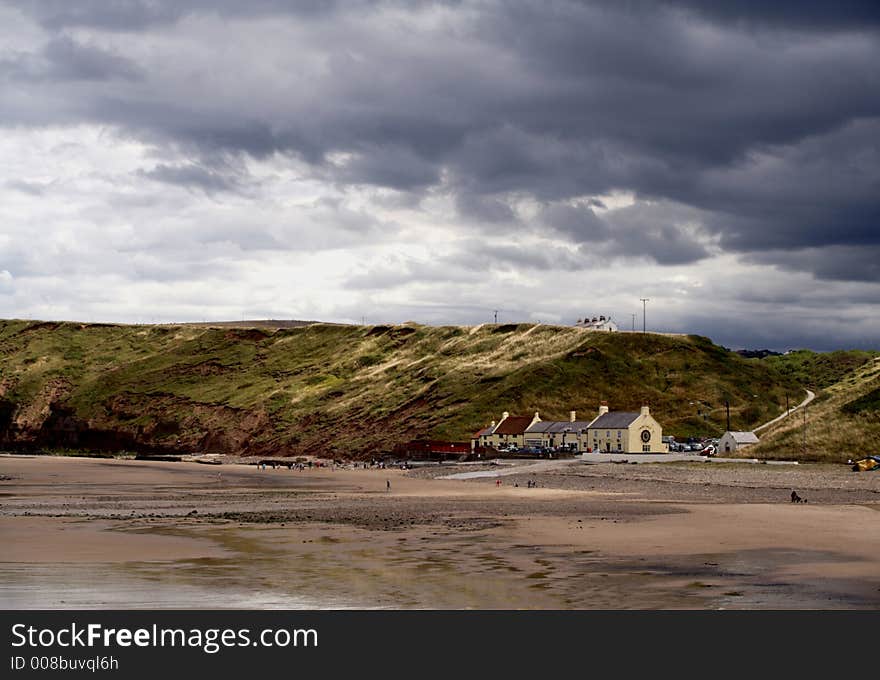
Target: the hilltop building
(626, 432)
(600, 323)
(730, 442)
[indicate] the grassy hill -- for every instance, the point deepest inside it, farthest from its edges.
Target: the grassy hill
(842, 422)
(819, 370)
(353, 390)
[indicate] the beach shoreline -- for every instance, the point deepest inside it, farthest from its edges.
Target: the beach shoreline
(669, 536)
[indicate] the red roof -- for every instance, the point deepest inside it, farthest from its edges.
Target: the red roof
(514, 425)
(480, 433)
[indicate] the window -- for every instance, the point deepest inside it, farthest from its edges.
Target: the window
(618, 434)
(646, 448)
(619, 447)
(607, 433)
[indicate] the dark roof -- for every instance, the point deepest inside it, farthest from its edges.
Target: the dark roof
(573, 425)
(614, 420)
(513, 425)
(559, 426)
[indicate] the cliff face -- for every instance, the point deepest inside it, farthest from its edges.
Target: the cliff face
(351, 390)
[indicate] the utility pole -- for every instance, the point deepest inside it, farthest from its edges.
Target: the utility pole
(644, 311)
(496, 316)
(727, 404)
(634, 322)
(787, 409)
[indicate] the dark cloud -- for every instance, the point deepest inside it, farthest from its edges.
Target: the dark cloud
(70, 60)
(542, 257)
(816, 15)
(64, 59)
(740, 127)
(781, 332)
(553, 100)
(393, 167)
(192, 176)
(661, 233)
(835, 262)
(136, 15)
(489, 209)
(577, 221)
(120, 15)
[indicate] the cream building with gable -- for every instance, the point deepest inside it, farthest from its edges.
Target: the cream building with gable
(626, 432)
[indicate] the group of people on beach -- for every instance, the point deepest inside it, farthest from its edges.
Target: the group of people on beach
(289, 466)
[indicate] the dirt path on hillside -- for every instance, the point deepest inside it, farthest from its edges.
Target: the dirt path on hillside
(810, 396)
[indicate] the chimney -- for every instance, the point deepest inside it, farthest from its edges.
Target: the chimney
(603, 408)
(645, 410)
(572, 416)
(504, 415)
(492, 425)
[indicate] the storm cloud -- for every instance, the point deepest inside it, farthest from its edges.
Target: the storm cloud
(533, 142)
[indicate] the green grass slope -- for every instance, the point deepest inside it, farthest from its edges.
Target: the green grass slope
(842, 422)
(353, 390)
(817, 370)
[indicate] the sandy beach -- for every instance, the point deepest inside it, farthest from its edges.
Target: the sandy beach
(103, 533)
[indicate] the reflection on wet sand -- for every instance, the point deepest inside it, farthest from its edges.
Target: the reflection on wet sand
(75, 537)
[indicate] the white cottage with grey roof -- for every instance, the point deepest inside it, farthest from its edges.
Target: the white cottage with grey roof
(625, 432)
(731, 441)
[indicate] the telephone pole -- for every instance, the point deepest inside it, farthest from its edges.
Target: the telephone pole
(634, 322)
(644, 311)
(496, 316)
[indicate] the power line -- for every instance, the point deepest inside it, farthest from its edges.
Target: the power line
(644, 312)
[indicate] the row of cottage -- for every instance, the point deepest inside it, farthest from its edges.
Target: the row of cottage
(609, 431)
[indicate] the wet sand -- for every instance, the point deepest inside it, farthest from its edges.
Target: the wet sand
(130, 534)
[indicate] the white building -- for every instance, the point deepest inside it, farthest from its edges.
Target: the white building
(597, 323)
(731, 441)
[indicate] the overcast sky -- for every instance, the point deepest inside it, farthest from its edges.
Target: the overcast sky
(187, 160)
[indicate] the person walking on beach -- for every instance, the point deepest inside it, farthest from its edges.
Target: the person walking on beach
(387, 485)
